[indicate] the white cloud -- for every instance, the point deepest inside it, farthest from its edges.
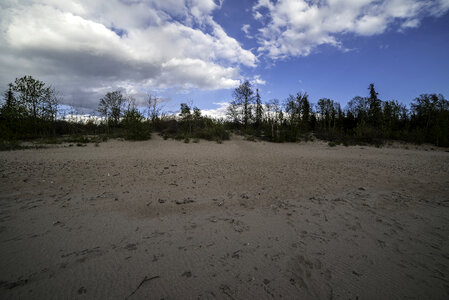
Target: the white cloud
(245, 28)
(412, 23)
(195, 70)
(257, 80)
(217, 113)
(81, 45)
(296, 27)
(257, 15)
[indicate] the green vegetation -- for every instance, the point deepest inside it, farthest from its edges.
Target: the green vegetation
(192, 125)
(366, 120)
(29, 112)
(135, 127)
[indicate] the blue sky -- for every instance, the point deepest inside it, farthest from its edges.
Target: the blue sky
(199, 50)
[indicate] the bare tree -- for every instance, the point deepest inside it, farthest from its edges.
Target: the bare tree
(155, 107)
(130, 104)
(233, 112)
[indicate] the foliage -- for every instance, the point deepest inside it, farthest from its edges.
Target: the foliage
(366, 120)
(111, 107)
(243, 98)
(192, 125)
(29, 110)
(135, 127)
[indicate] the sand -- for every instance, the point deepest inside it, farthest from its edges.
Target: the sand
(238, 220)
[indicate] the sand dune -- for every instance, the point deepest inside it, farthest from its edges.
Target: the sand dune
(238, 220)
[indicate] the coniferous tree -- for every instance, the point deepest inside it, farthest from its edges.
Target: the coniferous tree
(375, 109)
(9, 97)
(305, 113)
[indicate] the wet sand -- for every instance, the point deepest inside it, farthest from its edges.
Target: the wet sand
(238, 220)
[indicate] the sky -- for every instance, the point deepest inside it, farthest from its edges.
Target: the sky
(198, 51)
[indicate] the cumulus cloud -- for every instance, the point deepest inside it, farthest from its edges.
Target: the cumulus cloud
(296, 27)
(217, 113)
(87, 47)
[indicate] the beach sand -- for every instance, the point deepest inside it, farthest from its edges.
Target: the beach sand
(239, 220)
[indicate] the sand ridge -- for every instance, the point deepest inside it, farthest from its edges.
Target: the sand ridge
(164, 219)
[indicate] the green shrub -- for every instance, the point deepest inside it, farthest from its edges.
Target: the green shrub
(135, 127)
(10, 145)
(78, 139)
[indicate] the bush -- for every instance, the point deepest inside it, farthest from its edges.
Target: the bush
(135, 127)
(78, 139)
(9, 145)
(204, 128)
(250, 138)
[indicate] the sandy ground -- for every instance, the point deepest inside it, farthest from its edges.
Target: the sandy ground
(253, 221)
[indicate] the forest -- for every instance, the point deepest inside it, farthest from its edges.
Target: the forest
(30, 111)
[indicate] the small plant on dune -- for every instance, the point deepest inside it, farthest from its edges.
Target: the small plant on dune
(332, 144)
(9, 145)
(250, 138)
(77, 139)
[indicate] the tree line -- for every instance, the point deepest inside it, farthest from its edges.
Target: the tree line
(364, 120)
(30, 109)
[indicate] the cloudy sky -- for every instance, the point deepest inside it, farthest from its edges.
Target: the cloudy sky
(200, 50)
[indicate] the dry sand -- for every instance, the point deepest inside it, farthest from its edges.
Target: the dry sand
(255, 221)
